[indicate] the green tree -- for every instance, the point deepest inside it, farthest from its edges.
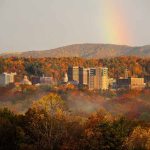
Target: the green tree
(34, 68)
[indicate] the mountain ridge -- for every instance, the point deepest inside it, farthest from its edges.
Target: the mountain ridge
(87, 50)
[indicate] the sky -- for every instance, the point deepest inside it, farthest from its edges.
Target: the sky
(46, 24)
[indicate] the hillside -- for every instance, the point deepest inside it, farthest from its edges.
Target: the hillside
(87, 51)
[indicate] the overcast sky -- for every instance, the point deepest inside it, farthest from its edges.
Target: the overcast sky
(46, 24)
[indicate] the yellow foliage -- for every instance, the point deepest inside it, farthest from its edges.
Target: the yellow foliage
(139, 139)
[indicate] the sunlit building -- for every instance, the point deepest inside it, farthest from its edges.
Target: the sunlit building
(92, 78)
(104, 81)
(98, 78)
(7, 78)
(131, 83)
(65, 79)
(83, 75)
(73, 73)
(26, 81)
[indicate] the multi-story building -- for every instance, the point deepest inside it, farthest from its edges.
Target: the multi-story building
(123, 83)
(131, 83)
(91, 78)
(104, 81)
(94, 78)
(73, 73)
(83, 75)
(6, 78)
(147, 80)
(136, 83)
(98, 78)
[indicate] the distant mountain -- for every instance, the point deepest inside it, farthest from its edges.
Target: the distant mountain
(87, 51)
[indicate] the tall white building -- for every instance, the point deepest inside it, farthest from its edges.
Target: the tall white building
(65, 80)
(6, 78)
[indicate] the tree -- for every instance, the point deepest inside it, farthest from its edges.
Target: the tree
(34, 68)
(105, 134)
(45, 122)
(139, 139)
(11, 134)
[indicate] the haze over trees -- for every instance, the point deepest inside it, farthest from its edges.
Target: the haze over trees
(49, 125)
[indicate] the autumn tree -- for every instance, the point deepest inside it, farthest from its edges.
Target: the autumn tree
(11, 134)
(139, 139)
(106, 134)
(46, 121)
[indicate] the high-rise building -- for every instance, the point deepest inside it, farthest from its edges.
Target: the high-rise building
(83, 75)
(92, 78)
(73, 73)
(95, 78)
(104, 81)
(98, 78)
(7, 78)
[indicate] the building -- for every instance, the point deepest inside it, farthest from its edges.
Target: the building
(65, 79)
(26, 81)
(131, 83)
(73, 73)
(112, 83)
(92, 78)
(83, 76)
(7, 78)
(35, 80)
(104, 81)
(136, 83)
(46, 80)
(147, 80)
(98, 78)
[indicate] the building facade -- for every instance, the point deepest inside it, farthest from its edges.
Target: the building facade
(98, 78)
(7, 78)
(147, 80)
(83, 76)
(131, 83)
(92, 78)
(46, 80)
(104, 81)
(65, 79)
(73, 73)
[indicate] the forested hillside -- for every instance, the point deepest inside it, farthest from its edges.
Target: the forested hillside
(56, 67)
(87, 51)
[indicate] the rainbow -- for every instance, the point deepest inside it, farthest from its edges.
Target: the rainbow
(115, 27)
